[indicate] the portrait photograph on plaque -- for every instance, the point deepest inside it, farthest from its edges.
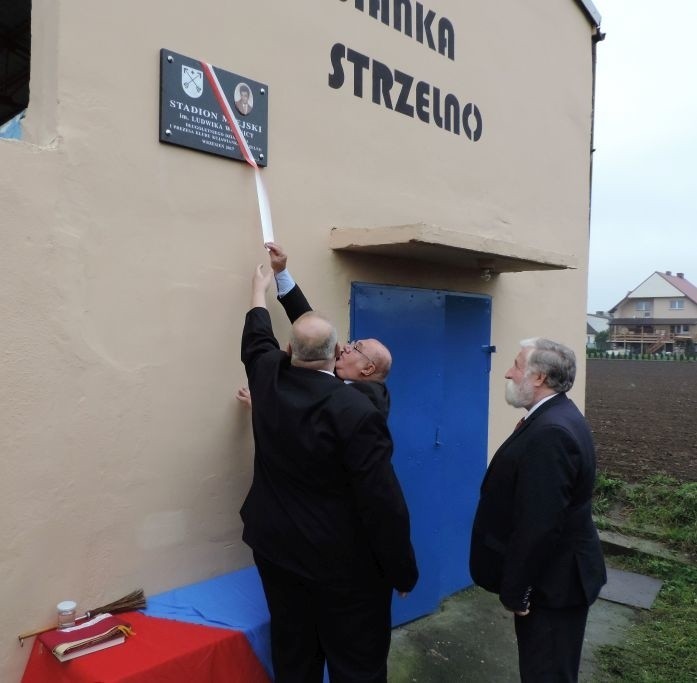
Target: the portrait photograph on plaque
(190, 115)
(244, 100)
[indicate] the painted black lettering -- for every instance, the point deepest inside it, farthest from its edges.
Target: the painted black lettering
(437, 118)
(428, 21)
(402, 12)
(423, 90)
(360, 63)
(446, 38)
(403, 106)
(452, 114)
(405, 17)
(384, 7)
(428, 103)
(382, 83)
(336, 79)
(472, 110)
(419, 22)
(423, 25)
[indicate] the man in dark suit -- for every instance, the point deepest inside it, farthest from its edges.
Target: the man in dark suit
(243, 104)
(364, 363)
(325, 515)
(533, 540)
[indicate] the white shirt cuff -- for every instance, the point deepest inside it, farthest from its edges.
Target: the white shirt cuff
(284, 282)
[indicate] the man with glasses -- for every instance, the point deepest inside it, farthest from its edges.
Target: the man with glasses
(325, 515)
(364, 363)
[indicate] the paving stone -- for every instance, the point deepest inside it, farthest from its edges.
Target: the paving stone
(628, 588)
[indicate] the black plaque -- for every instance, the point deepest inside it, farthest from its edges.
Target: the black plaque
(190, 115)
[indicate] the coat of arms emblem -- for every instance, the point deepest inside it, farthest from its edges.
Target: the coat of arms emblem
(192, 81)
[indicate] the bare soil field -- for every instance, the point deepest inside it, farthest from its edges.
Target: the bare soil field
(644, 417)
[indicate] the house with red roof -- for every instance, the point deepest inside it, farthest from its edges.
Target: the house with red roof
(659, 315)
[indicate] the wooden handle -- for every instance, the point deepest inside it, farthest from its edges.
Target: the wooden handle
(31, 634)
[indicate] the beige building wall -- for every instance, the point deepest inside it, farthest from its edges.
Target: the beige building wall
(659, 308)
(662, 309)
(628, 309)
(126, 263)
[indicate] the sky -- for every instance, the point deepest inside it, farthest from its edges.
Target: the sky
(644, 196)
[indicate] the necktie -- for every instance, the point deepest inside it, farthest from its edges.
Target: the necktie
(519, 424)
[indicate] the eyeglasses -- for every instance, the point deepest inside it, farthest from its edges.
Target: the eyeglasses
(358, 346)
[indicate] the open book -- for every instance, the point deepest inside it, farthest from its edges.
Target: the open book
(104, 630)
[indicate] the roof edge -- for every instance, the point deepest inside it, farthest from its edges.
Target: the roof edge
(591, 12)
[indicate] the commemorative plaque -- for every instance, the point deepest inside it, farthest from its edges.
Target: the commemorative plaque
(190, 115)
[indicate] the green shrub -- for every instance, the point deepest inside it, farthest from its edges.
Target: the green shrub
(663, 502)
(606, 492)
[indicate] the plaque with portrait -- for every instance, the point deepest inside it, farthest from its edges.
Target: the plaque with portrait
(190, 115)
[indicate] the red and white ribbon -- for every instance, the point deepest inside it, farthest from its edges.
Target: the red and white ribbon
(262, 195)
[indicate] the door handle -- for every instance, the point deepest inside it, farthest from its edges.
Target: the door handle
(488, 350)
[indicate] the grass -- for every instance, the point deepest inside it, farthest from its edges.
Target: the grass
(662, 645)
(661, 508)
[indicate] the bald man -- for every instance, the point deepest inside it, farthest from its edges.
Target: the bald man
(325, 515)
(365, 362)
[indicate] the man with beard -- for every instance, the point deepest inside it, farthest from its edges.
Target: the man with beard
(533, 539)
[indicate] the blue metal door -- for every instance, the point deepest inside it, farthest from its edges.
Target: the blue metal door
(439, 384)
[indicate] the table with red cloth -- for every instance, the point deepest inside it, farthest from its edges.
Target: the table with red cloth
(197, 642)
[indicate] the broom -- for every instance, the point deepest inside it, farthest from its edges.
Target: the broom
(128, 603)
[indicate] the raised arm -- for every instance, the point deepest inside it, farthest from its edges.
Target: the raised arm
(260, 283)
(257, 335)
(289, 293)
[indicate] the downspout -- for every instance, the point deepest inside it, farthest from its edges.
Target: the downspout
(598, 36)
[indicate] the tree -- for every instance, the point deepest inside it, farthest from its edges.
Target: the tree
(601, 340)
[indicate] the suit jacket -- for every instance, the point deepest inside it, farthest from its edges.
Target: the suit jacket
(324, 502)
(533, 538)
(295, 304)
